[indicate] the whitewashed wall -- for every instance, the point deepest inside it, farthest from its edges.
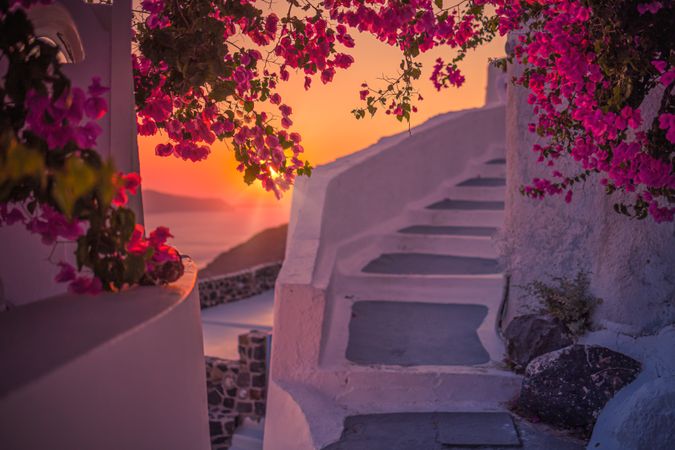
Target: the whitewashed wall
(632, 263)
(111, 372)
(99, 39)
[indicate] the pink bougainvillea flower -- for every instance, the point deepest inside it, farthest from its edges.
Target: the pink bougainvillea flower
(131, 182)
(159, 236)
(667, 122)
(667, 78)
(86, 136)
(66, 273)
(95, 107)
(164, 149)
(660, 65)
(138, 245)
(652, 7)
(96, 89)
(85, 285)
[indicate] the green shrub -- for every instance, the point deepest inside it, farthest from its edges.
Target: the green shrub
(568, 300)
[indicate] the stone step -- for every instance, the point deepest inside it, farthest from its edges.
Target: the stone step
(382, 388)
(478, 193)
(466, 218)
(453, 204)
(473, 289)
(416, 334)
(448, 430)
(428, 431)
(431, 264)
(479, 246)
(496, 161)
(484, 182)
(431, 230)
(488, 170)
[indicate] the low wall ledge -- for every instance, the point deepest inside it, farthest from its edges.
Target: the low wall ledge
(40, 337)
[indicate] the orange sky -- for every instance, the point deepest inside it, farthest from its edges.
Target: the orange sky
(322, 115)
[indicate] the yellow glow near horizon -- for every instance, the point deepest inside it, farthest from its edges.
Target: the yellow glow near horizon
(322, 116)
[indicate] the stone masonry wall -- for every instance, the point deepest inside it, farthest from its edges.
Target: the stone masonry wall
(239, 285)
(236, 389)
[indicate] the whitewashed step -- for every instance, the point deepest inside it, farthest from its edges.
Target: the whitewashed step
(457, 231)
(382, 388)
(489, 170)
(467, 205)
(481, 289)
(497, 193)
(456, 217)
(479, 246)
(428, 431)
(431, 264)
(444, 430)
(483, 181)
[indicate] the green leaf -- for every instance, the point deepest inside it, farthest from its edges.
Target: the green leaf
(222, 91)
(134, 268)
(251, 174)
(76, 180)
(20, 161)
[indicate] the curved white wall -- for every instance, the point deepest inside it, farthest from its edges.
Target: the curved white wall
(114, 371)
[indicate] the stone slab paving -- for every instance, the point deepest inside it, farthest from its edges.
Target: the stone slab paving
(475, 429)
(497, 161)
(467, 205)
(483, 182)
(415, 334)
(449, 230)
(445, 431)
(431, 264)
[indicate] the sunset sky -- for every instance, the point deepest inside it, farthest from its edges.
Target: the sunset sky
(322, 115)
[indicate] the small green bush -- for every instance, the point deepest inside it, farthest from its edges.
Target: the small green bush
(568, 300)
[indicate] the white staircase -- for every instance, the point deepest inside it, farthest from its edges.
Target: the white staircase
(389, 298)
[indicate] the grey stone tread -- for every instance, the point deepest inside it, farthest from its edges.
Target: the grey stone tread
(427, 431)
(397, 333)
(431, 264)
(467, 204)
(483, 182)
(474, 429)
(449, 230)
(497, 161)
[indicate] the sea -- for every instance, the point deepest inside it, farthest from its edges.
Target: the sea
(203, 235)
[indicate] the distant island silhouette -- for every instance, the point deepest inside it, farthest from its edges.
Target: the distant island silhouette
(162, 202)
(265, 247)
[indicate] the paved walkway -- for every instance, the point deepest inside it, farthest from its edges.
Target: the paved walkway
(447, 431)
(223, 324)
(221, 327)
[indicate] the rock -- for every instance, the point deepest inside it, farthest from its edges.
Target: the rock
(568, 387)
(533, 335)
